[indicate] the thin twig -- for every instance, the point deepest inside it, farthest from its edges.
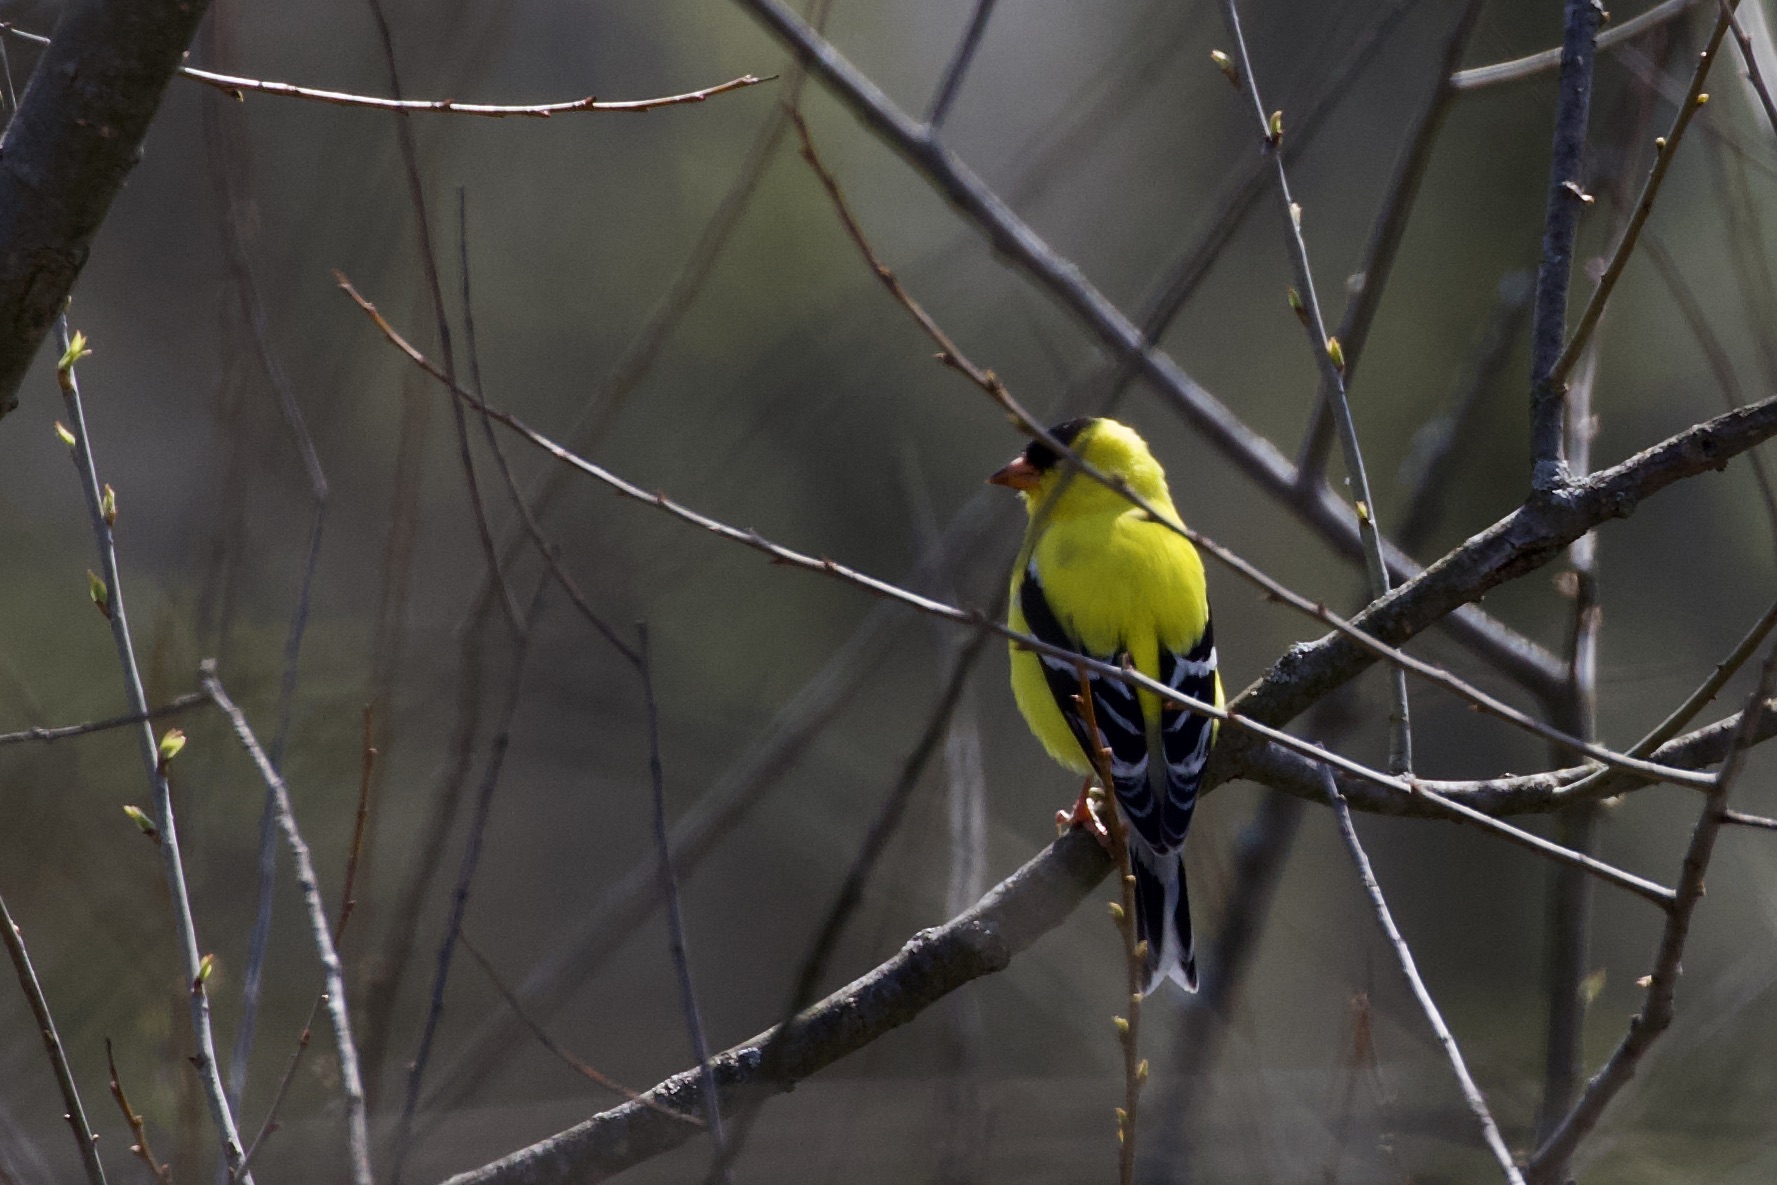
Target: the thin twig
(174, 707)
(484, 802)
(1116, 829)
(84, 1136)
(1330, 360)
(1714, 351)
(1548, 60)
(549, 552)
(347, 902)
(555, 1047)
(235, 87)
(1427, 471)
(1667, 148)
(351, 1083)
(1657, 1007)
(1566, 198)
(776, 1057)
(1749, 63)
(675, 917)
(952, 82)
(184, 928)
(1740, 819)
(138, 1130)
(1698, 699)
(1386, 233)
(1471, 1093)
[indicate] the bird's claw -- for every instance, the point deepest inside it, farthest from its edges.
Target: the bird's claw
(1084, 813)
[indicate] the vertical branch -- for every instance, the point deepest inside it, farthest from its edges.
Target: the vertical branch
(675, 917)
(484, 803)
(102, 510)
(1135, 1071)
(138, 1130)
(1385, 240)
(1567, 197)
(1330, 359)
(1575, 712)
(84, 1136)
(1471, 1093)
(351, 1083)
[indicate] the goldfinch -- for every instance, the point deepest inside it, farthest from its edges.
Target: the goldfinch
(1098, 576)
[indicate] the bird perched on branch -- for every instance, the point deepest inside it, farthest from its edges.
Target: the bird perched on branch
(1098, 576)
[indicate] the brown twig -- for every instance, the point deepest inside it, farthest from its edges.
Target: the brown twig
(1135, 1071)
(556, 1048)
(1749, 63)
(84, 1136)
(138, 1130)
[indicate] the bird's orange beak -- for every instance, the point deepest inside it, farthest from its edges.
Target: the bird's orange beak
(1019, 475)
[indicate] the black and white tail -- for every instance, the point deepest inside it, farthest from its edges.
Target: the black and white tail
(1163, 916)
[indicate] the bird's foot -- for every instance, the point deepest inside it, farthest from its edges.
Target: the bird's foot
(1085, 813)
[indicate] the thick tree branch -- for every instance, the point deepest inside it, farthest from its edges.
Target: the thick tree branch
(1522, 541)
(77, 133)
(934, 963)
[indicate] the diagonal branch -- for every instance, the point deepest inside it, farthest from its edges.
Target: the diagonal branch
(1471, 1093)
(351, 1083)
(935, 962)
(75, 137)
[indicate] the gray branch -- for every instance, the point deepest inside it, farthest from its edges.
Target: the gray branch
(77, 134)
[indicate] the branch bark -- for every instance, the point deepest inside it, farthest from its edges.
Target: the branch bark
(77, 134)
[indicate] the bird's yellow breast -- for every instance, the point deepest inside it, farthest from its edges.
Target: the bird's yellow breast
(1118, 582)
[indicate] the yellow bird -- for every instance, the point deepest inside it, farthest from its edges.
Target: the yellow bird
(1098, 576)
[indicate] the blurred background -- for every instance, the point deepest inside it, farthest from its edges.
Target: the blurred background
(673, 292)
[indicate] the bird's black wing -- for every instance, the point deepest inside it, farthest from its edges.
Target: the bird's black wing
(1186, 737)
(1114, 705)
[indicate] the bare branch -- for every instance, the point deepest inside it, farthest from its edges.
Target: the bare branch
(110, 589)
(235, 86)
(175, 707)
(351, 1084)
(84, 1136)
(1548, 60)
(1566, 198)
(1471, 1094)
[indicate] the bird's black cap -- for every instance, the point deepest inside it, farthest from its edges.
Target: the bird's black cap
(1038, 452)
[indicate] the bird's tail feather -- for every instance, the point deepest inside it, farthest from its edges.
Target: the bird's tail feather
(1163, 917)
